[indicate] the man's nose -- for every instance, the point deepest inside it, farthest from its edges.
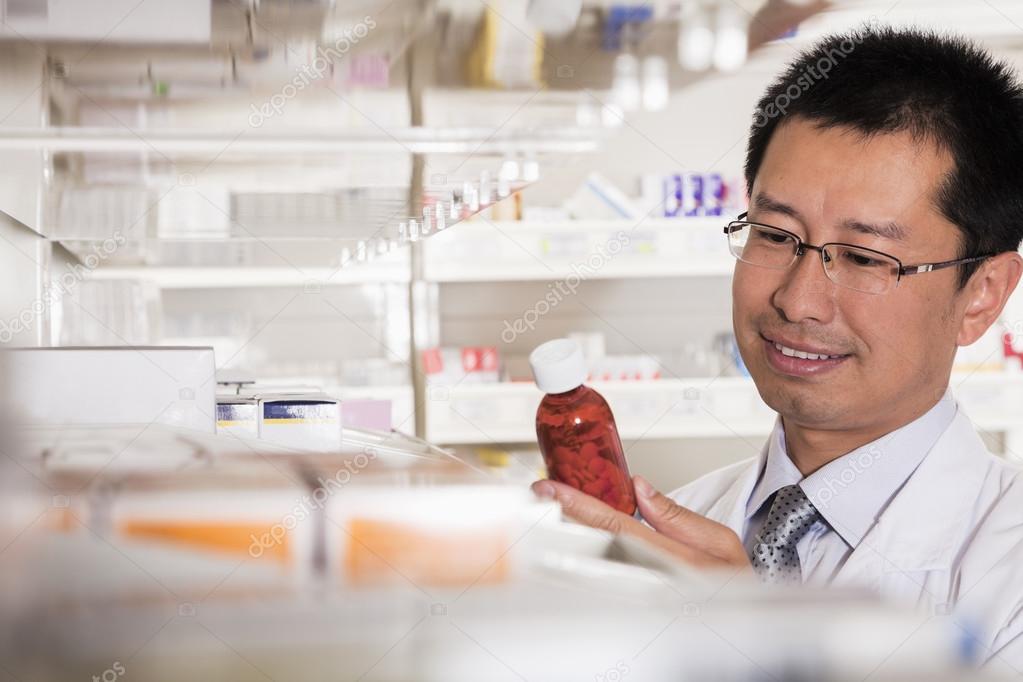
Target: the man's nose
(806, 292)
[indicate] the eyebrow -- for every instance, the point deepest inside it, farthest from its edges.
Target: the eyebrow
(765, 202)
(890, 230)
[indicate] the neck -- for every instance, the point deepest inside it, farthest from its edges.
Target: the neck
(810, 448)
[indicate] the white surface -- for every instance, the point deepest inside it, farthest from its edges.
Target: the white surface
(21, 101)
(22, 305)
(107, 386)
(111, 21)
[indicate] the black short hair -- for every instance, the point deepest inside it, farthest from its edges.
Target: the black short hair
(938, 87)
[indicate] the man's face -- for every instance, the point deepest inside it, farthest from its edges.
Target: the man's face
(825, 185)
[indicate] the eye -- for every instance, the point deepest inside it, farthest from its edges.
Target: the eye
(861, 260)
(773, 237)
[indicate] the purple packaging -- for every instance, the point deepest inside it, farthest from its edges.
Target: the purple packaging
(366, 414)
(692, 194)
(713, 194)
(672, 195)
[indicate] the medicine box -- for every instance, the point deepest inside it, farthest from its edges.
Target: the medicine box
(238, 416)
(309, 421)
(106, 386)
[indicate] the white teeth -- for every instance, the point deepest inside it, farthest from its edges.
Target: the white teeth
(793, 353)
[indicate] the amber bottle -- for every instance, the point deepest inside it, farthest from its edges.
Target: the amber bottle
(576, 430)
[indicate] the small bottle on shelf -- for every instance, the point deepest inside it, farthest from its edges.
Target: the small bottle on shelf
(576, 430)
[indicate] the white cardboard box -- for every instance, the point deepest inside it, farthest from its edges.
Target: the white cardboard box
(82, 386)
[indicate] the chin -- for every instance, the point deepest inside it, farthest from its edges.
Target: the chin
(799, 401)
(808, 410)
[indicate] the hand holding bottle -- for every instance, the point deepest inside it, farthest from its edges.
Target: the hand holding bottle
(693, 538)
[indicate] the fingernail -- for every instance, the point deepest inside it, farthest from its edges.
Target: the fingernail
(543, 490)
(643, 487)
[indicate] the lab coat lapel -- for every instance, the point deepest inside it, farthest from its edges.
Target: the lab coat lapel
(923, 524)
(730, 508)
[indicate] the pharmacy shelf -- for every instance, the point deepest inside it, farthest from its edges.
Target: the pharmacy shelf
(165, 277)
(480, 250)
(656, 409)
(170, 142)
(725, 407)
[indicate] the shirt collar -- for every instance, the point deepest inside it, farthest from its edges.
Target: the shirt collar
(851, 491)
(778, 471)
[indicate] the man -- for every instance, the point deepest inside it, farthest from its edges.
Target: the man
(886, 211)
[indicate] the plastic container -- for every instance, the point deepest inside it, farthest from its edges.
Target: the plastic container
(576, 430)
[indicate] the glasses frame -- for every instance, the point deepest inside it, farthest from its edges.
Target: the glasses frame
(802, 246)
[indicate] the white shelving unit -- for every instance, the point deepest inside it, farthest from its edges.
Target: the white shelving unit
(725, 407)
(392, 267)
(480, 250)
(483, 250)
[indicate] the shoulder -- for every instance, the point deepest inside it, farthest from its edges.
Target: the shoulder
(996, 530)
(706, 490)
(1000, 499)
(990, 571)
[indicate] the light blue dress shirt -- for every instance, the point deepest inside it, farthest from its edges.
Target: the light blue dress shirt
(850, 492)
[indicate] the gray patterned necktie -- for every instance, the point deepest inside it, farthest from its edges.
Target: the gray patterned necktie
(774, 557)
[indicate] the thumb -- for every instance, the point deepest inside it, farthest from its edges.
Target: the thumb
(662, 513)
(681, 524)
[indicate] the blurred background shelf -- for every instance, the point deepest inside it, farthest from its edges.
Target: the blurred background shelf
(216, 187)
(665, 409)
(493, 251)
(384, 269)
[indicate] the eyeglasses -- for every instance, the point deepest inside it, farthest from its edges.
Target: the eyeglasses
(847, 265)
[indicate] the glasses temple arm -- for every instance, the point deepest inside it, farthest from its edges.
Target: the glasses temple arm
(928, 267)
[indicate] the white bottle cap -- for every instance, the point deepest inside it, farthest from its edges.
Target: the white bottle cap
(558, 366)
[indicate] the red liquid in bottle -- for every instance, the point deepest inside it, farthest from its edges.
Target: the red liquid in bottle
(579, 440)
(581, 447)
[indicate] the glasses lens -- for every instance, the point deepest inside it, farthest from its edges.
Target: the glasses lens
(860, 269)
(761, 245)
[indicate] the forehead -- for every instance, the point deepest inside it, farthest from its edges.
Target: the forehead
(840, 173)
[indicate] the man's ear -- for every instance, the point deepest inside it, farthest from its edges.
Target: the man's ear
(985, 294)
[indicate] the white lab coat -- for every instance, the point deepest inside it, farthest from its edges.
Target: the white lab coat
(950, 542)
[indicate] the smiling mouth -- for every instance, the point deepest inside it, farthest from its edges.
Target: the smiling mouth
(796, 361)
(804, 355)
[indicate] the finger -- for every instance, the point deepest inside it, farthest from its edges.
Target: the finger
(584, 508)
(684, 525)
(590, 511)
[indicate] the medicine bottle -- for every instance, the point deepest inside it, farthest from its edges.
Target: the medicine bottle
(576, 430)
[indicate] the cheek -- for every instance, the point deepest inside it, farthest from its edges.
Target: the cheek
(749, 291)
(744, 304)
(899, 335)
